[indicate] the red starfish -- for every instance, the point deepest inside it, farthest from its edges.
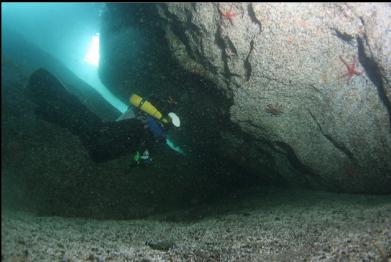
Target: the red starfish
(351, 68)
(228, 15)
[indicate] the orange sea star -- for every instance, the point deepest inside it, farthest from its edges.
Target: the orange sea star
(228, 15)
(351, 69)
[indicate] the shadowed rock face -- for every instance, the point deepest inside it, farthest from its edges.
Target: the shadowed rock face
(308, 85)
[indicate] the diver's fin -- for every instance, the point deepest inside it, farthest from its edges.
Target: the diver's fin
(56, 105)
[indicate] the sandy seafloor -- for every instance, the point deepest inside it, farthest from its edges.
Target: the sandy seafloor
(273, 226)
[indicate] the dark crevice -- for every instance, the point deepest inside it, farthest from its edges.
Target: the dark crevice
(219, 41)
(289, 153)
(294, 160)
(247, 64)
(189, 24)
(264, 151)
(196, 55)
(194, 6)
(315, 181)
(253, 125)
(211, 67)
(337, 144)
(343, 36)
(204, 61)
(372, 70)
(232, 47)
(253, 17)
(340, 146)
(179, 31)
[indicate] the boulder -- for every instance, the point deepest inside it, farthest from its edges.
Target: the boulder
(309, 85)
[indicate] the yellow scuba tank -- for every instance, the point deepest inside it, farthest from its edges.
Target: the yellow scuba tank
(147, 107)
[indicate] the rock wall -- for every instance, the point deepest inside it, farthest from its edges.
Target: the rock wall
(310, 85)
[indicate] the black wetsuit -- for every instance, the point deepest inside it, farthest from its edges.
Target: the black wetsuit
(103, 140)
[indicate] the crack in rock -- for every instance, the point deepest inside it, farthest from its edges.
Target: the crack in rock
(336, 144)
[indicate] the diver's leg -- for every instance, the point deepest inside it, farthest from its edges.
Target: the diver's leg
(103, 140)
(56, 105)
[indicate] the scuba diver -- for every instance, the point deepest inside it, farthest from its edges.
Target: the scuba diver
(155, 121)
(104, 141)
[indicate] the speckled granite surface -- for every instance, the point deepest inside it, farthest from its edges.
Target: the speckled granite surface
(272, 226)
